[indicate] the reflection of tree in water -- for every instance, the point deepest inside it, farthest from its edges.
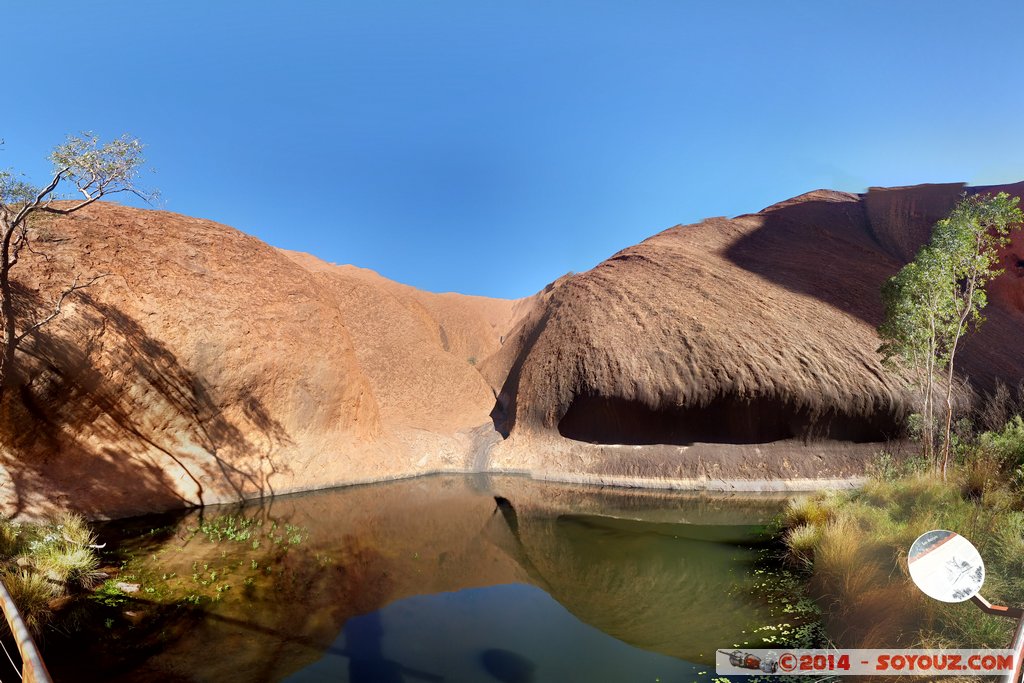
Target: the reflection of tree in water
(366, 660)
(507, 666)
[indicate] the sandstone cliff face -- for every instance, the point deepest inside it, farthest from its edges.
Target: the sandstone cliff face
(738, 348)
(207, 366)
(682, 339)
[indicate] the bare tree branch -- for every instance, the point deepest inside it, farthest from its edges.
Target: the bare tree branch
(45, 208)
(20, 242)
(44, 193)
(96, 170)
(64, 212)
(75, 286)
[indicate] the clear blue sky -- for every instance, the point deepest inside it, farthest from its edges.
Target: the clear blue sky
(489, 147)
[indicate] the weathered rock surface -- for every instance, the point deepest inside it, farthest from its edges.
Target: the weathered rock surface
(208, 366)
(737, 348)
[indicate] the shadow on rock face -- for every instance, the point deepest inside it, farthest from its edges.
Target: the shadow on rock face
(841, 250)
(104, 416)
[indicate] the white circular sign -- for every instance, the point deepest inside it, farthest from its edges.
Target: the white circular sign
(946, 566)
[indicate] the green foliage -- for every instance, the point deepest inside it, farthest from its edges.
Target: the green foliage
(794, 618)
(240, 529)
(797, 617)
(856, 554)
(228, 528)
(41, 562)
(1006, 444)
(113, 166)
(915, 426)
(32, 593)
(109, 595)
(939, 296)
(15, 192)
(886, 467)
(929, 301)
(917, 306)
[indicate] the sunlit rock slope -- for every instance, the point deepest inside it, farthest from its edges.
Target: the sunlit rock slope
(207, 366)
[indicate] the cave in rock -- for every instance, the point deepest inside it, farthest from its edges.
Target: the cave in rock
(613, 420)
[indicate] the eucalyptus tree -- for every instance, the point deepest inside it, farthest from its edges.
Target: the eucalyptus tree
(911, 332)
(937, 298)
(84, 171)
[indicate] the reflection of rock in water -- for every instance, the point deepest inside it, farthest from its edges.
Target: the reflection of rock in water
(628, 579)
(366, 547)
(370, 546)
(508, 512)
(507, 666)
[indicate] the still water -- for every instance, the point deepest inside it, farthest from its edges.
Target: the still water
(446, 578)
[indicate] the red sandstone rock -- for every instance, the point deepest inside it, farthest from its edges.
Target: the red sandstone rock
(208, 366)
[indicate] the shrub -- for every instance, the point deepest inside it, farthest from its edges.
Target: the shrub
(856, 543)
(71, 565)
(1000, 406)
(1006, 444)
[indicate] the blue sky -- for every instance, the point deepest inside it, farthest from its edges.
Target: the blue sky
(490, 147)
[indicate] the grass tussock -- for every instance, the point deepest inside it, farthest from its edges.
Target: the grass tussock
(854, 545)
(801, 542)
(33, 593)
(42, 564)
(810, 510)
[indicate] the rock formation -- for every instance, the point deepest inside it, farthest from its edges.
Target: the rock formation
(737, 348)
(208, 366)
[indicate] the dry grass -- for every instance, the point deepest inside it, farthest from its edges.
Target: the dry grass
(68, 565)
(856, 544)
(868, 597)
(32, 593)
(980, 475)
(74, 530)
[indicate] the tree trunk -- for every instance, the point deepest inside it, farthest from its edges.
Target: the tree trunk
(949, 387)
(949, 424)
(9, 332)
(972, 282)
(930, 408)
(929, 401)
